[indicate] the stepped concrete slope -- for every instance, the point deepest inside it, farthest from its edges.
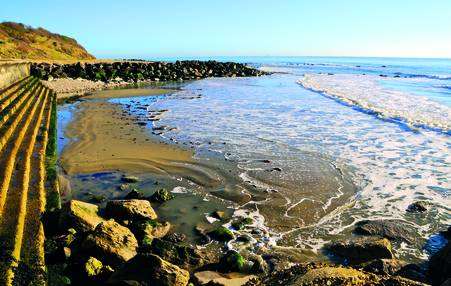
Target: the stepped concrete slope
(25, 120)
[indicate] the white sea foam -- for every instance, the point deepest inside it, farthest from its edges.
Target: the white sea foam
(365, 92)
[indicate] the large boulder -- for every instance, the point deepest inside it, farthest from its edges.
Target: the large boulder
(382, 266)
(332, 276)
(220, 279)
(130, 210)
(112, 242)
(180, 254)
(150, 229)
(394, 230)
(440, 265)
(149, 269)
(362, 249)
(80, 216)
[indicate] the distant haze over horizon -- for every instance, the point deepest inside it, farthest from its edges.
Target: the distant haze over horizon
(200, 28)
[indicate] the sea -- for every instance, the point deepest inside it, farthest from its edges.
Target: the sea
(322, 143)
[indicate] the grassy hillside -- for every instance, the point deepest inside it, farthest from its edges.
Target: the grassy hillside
(18, 41)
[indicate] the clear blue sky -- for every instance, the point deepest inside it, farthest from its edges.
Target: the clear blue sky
(121, 28)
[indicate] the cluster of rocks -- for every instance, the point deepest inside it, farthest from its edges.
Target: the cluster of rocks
(125, 71)
(124, 243)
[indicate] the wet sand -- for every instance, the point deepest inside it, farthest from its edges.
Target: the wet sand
(104, 138)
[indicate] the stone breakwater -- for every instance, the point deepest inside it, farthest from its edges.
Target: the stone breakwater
(143, 71)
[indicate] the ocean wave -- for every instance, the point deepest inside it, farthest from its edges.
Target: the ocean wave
(410, 75)
(366, 93)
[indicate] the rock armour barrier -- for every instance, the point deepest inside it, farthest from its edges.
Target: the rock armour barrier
(143, 71)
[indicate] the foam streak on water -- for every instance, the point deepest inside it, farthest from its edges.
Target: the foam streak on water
(366, 92)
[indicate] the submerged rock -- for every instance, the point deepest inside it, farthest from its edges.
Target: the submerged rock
(362, 249)
(161, 196)
(80, 216)
(130, 210)
(417, 207)
(149, 269)
(130, 179)
(134, 194)
(112, 242)
(395, 230)
(241, 223)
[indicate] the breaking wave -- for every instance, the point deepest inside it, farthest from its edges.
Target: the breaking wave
(366, 93)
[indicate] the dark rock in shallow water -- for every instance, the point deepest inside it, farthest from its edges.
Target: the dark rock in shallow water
(362, 249)
(221, 234)
(417, 207)
(133, 195)
(149, 269)
(232, 261)
(395, 230)
(413, 272)
(440, 265)
(161, 196)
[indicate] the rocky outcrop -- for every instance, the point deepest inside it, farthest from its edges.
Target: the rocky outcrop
(130, 210)
(362, 249)
(111, 241)
(149, 269)
(140, 71)
(394, 230)
(80, 216)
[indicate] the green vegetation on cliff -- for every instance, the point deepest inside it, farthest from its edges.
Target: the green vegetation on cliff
(18, 41)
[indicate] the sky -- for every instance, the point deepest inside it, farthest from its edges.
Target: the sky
(167, 28)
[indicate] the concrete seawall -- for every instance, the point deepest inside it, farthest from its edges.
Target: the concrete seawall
(10, 72)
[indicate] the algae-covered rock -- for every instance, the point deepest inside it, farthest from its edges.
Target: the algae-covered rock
(232, 261)
(130, 210)
(80, 216)
(417, 207)
(149, 269)
(150, 229)
(111, 242)
(180, 254)
(362, 249)
(161, 196)
(92, 267)
(241, 223)
(221, 234)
